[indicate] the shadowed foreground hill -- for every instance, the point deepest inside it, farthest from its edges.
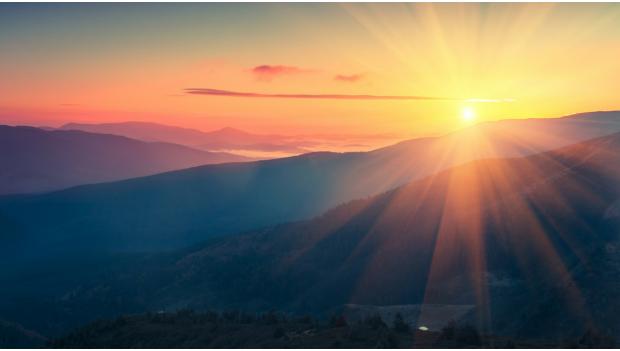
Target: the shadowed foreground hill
(186, 329)
(37, 160)
(498, 234)
(177, 209)
(529, 242)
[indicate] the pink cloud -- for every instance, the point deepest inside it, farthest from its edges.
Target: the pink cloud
(268, 72)
(352, 78)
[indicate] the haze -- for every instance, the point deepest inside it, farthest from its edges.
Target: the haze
(136, 62)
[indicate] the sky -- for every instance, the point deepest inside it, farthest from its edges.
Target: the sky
(368, 69)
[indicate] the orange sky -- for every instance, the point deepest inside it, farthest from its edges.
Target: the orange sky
(118, 62)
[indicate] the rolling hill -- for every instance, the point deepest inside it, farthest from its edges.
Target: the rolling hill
(504, 235)
(180, 208)
(36, 160)
(497, 234)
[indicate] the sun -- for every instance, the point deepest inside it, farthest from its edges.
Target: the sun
(468, 114)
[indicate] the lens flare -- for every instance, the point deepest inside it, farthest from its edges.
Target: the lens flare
(468, 114)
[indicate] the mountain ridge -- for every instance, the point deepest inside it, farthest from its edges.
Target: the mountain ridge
(494, 233)
(188, 206)
(37, 160)
(226, 138)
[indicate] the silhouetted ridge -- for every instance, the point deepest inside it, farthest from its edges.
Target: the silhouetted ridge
(36, 160)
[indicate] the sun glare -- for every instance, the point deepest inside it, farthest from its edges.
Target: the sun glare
(468, 114)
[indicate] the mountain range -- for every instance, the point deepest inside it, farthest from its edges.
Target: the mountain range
(37, 160)
(531, 242)
(225, 139)
(187, 206)
(486, 217)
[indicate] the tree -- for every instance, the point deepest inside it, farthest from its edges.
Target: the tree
(386, 339)
(247, 318)
(270, 318)
(279, 333)
(305, 319)
(468, 335)
(594, 338)
(400, 325)
(463, 334)
(231, 316)
(375, 322)
(338, 321)
(448, 332)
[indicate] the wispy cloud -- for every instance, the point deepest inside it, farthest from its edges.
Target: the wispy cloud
(352, 78)
(489, 100)
(268, 72)
(218, 92)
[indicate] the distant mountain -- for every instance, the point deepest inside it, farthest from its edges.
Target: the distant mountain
(144, 131)
(235, 139)
(180, 208)
(36, 160)
(227, 139)
(531, 242)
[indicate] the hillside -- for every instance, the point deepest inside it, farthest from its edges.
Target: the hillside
(502, 235)
(489, 233)
(188, 329)
(35, 160)
(181, 208)
(13, 335)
